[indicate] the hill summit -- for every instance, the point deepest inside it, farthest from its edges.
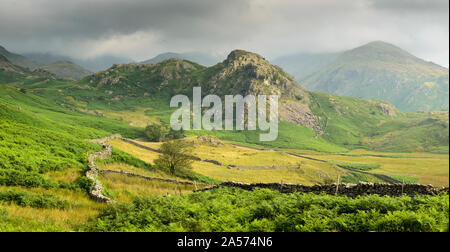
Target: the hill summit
(241, 73)
(198, 57)
(380, 70)
(378, 53)
(249, 73)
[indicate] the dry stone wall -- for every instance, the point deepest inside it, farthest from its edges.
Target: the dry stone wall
(351, 190)
(129, 174)
(92, 172)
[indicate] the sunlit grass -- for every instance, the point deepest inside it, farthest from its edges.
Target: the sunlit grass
(308, 174)
(136, 117)
(273, 166)
(145, 155)
(132, 169)
(66, 175)
(124, 188)
(80, 209)
(428, 168)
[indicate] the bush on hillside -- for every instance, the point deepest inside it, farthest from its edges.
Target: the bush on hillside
(236, 210)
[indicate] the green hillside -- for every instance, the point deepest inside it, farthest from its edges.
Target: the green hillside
(309, 120)
(383, 71)
(303, 64)
(19, 60)
(28, 107)
(11, 73)
(376, 125)
(43, 153)
(62, 69)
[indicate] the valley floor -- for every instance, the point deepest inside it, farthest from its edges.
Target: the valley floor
(252, 165)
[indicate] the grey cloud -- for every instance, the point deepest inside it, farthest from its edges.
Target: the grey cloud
(101, 18)
(270, 27)
(440, 6)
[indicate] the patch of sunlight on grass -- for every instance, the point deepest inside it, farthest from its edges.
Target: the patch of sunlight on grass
(81, 208)
(428, 168)
(124, 188)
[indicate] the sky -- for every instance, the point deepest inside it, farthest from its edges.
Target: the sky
(141, 29)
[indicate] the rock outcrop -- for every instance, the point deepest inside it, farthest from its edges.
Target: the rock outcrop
(209, 140)
(247, 73)
(387, 109)
(300, 113)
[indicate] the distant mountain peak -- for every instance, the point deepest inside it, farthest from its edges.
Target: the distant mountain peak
(379, 51)
(381, 44)
(197, 57)
(67, 70)
(379, 70)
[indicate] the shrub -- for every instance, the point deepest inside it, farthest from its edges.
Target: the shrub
(153, 132)
(174, 134)
(119, 156)
(175, 156)
(10, 177)
(232, 209)
(26, 199)
(83, 184)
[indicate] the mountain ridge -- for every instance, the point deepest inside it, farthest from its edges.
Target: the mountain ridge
(308, 119)
(301, 65)
(67, 70)
(18, 59)
(380, 70)
(63, 69)
(198, 57)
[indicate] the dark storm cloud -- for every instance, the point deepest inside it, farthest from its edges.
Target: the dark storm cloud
(144, 28)
(439, 6)
(99, 18)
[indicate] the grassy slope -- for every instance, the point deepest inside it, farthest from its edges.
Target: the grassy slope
(424, 168)
(348, 122)
(358, 123)
(49, 127)
(29, 108)
(38, 136)
(42, 151)
(413, 132)
(251, 165)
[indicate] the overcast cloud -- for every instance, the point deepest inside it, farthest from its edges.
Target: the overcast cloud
(141, 29)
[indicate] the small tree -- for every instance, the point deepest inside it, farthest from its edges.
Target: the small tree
(174, 134)
(153, 132)
(175, 155)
